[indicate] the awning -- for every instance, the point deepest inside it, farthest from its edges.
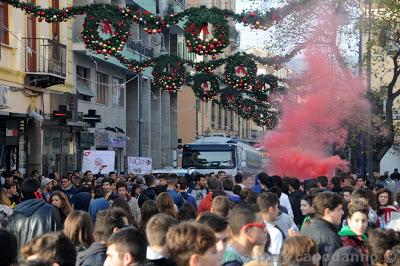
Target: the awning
(83, 88)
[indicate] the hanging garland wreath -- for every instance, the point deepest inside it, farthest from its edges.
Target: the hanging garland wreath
(240, 72)
(169, 73)
(109, 21)
(198, 22)
(205, 86)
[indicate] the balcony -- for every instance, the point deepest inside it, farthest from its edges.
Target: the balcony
(139, 47)
(45, 62)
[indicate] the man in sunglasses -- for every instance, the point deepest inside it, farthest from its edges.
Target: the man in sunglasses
(248, 230)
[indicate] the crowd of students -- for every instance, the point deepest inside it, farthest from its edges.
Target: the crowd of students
(196, 220)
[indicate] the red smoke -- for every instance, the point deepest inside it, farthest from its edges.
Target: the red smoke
(316, 112)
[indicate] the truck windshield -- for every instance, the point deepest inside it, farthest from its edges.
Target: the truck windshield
(208, 159)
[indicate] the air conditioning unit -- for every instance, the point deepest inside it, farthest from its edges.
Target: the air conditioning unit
(4, 96)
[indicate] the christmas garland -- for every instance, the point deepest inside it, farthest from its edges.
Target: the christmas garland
(205, 86)
(169, 73)
(240, 72)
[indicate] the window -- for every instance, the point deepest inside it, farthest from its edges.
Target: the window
(232, 121)
(226, 119)
(83, 86)
(118, 87)
(4, 38)
(101, 88)
(219, 117)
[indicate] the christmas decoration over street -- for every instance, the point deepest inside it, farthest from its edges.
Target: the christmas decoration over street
(106, 30)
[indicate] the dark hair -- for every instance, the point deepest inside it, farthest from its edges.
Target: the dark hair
(239, 217)
(278, 180)
(148, 209)
(186, 212)
(213, 183)
(86, 173)
(227, 184)
(198, 177)
(172, 179)
(266, 180)
(111, 173)
(322, 180)
(216, 222)
(107, 180)
(182, 183)
(124, 205)
(150, 180)
(187, 239)
(8, 247)
(347, 189)
(237, 189)
(366, 194)
(122, 184)
(347, 177)
(106, 221)
(326, 200)
(380, 241)
(52, 247)
(267, 200)
(390, 195)
(308, 198)
(336, 181)
(294, 183)
(277, 191)
(130, 240)
(29, 187)
(238, 178)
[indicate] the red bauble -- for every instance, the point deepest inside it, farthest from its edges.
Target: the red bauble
(252, 14)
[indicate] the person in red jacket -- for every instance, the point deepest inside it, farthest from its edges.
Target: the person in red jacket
(354, 233)
(205, 204)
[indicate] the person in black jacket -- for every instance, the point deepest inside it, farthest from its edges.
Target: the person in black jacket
(107, 222)
(149, 193)
(323, 229)
(33, 217)
(295, 196)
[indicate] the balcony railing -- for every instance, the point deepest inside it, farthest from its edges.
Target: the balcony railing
(138, 46)
(45, 56)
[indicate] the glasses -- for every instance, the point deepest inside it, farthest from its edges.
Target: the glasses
(263, 226)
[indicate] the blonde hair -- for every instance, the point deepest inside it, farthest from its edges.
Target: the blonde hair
(4, 197)
(65, 205)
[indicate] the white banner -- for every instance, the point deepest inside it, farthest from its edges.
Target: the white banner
(98, 160)
(139, 165)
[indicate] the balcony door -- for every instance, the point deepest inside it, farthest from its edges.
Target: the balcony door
(32, 52)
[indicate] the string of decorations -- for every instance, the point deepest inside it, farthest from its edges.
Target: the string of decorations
(106, 30)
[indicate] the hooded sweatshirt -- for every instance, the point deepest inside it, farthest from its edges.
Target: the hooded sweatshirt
(95, 255)
(96, 206)
(349, 238)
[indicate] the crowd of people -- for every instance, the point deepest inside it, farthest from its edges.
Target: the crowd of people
(197, 220)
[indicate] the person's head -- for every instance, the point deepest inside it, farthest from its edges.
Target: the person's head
(112, 175)
(213, 184)
(357, 217)
(186, 212)
(396, 170)
(322, 181)
(122, 189)
(346, 191)
(366, 194)
(107, 222)
(52, 247)
(163, 179)
(4, 200)
(299, 250)
(384, 197)
(221, 205)
(126, 247)
(238, 178)
(221, 175)
(77, 181)
(294, 184)
(165, 204)
(157, 228)
(150, 180)
(182, 184)
(11, 189)
(329, 206)
(60, 200)
(120, 202)
(8, 247)
(219, 226)
(266, 181)
(200, 180)
(268, 203)
(65, 182)
(46, 185)
(106, 184)
(361, 182)
(247, 226)
(335, 181)
(29, 188)
(172, 180)
(380, 245)
(78, 228)
(192, 244)
(306, 206)
(148, 209)
(88, 175)
(227, 184)
(347, 181)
